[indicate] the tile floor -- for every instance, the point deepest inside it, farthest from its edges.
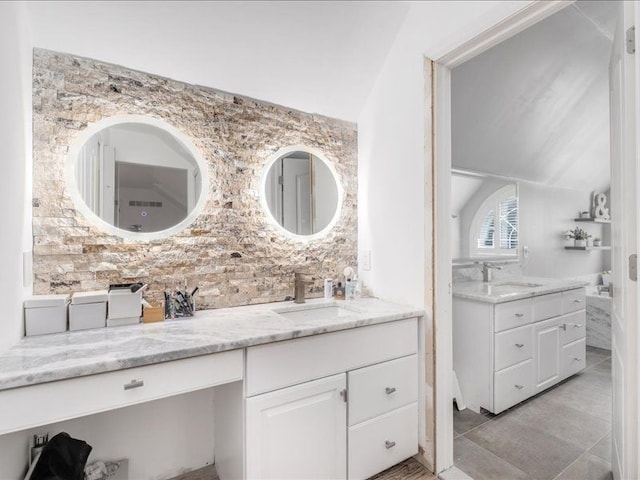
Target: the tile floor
(563, 433)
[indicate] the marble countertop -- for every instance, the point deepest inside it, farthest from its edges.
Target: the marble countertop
(65, 355)
(516, 288)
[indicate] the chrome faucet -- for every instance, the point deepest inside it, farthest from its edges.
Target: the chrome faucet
(486, 271)
(299, 287)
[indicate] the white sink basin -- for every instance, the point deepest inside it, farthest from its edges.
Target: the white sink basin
(509, 288)
(314, 312)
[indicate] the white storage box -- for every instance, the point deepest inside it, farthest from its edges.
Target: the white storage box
(88, 310)
(119, 322)
(124, 304)
(45, 314)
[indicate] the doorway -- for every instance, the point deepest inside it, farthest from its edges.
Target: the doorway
(444, 277)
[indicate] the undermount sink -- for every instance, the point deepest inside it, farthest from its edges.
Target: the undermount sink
(314, 312)
(516, 284)
(508, 288)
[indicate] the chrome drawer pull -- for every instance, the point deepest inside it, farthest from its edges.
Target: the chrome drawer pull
(577, 325)
(390, 390)
(133, 384)
(389, 444)
(563, 326)
(519, 345)
(519, 315)
(577, 359)
(577, 301)
(519, 387)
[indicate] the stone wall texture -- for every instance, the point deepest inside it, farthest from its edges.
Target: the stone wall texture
(231, 251)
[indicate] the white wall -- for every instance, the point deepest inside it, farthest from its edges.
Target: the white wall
(15, 138)
(391, 143)
(393, 186)
(545, 214)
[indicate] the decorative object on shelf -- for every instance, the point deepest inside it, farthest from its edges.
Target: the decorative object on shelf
(597, 242)
(584, 214)
(606, 277)
(579, 237)
(568, 239)
(598, 206)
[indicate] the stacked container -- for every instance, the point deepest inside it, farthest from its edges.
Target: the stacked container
(45, 314)
(88, 310)
(125, 306)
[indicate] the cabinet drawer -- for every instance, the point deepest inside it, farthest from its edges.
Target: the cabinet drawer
(382, 442)
(381, 388)
(573, 357)
(46, 403)
(572, 327)
(513, 314)
(282, 364)
(573, 300)
(513, 346)
(547, 306)
(512, 385)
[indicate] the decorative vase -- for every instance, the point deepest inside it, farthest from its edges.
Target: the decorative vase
(580, 242)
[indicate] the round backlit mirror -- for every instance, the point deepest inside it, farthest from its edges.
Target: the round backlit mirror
(301, 192)
(136, 177)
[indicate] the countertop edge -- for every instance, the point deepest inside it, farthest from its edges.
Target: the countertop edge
(44, 376)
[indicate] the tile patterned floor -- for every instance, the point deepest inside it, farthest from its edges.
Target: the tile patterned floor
(561, 434)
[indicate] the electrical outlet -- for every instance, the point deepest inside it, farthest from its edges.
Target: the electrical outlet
(365, 260)
(525, 251)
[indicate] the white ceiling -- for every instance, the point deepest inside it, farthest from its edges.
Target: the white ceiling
(319, 57)
(536, 107)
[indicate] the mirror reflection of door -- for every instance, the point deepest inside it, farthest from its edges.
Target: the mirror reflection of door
(301, 193)
(138, 177)
(296, 194)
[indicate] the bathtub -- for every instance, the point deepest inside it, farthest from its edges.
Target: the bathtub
(598, 318)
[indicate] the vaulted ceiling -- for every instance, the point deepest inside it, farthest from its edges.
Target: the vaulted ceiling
(536, 107)
(320, 57)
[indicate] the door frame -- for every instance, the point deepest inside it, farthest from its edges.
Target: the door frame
(438, 108)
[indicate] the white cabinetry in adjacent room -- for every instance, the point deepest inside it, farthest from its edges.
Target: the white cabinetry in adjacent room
(298, 429)
(506, 352)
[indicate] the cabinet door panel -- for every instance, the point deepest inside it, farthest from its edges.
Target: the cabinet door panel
(298, 432)
(513, 314)
(383, 441)
(513, 385)
(547, 306)
(547, 353)
(574, 357)
(573, 327)
(573, 300)
(381, 388)
(513, 346)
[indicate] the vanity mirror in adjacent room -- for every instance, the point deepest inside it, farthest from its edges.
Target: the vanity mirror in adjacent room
(136, 177)
(484, 217)
(301, 192)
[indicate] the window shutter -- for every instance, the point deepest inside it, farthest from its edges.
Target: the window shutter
(487, 231)
(509, 223)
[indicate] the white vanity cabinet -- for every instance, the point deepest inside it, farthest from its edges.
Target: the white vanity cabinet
(298, 430)
(504, 353)
(333, 406)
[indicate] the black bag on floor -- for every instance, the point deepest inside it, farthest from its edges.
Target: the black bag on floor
(62, 458)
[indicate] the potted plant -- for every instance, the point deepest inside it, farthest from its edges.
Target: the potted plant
(597, 242)
(579, 237)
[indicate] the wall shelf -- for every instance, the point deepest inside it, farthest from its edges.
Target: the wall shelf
(588, 248)
(591, 220)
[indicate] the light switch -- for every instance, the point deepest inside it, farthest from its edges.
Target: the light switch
(365, 260)
(525, 251)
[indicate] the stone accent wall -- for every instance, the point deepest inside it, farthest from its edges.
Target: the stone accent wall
(230, 251)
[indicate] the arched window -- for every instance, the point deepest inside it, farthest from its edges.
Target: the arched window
(494, 229)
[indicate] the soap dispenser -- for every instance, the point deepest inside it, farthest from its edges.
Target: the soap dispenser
(338, 291)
